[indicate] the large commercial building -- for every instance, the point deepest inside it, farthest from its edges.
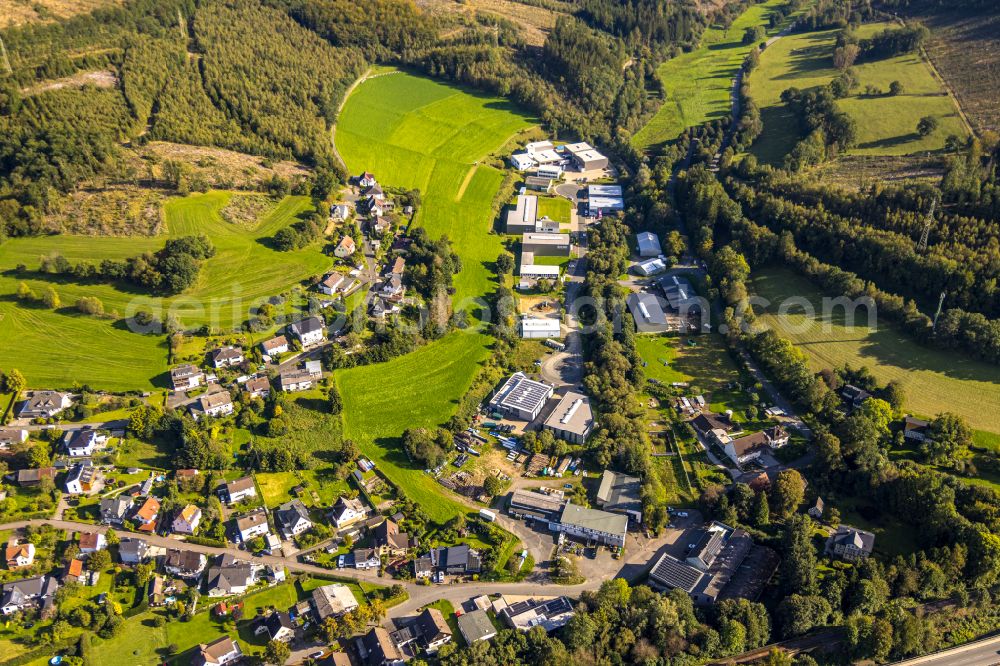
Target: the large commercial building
(593, 525)
(604, 199)
(572, 419)
(621, 493)
(649, 244)
(521, 219)
(520, 397)
(585, 157)
(540, 328)
(535, 505)
(545, 245)
(680, 294)
(648, 315)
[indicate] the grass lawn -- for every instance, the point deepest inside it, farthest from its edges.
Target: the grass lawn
(414, 132)
(933, 380)
(555, 208)
(276, 486)
(697, 84)
(705, 365)
(886, 125)
(420, 389)
(104, 353)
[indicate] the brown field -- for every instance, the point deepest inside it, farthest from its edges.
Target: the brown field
(853, 172)
(965, 49)
(103, 78)
(535, 21)
(225, 169)
(109, 211)
(19, 12)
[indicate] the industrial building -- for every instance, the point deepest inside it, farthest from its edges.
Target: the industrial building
(521, 219)
(651, 266)
(680, 294)
(621, 493)
(585, 157)
(545, 245)
(535, 505)
(593, 525)
(521, 161)
(648, 244)
(530, 270)
(648, 315)
(520, 397)
(604, 199)
(548, 613)
(572, 419)
(534, 328)
(538, 183)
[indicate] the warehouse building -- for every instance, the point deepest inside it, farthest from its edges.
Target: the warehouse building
(540, 328)
(621, 493)
(522, 218)
(604, 199)
(585, 157)
(520, 397)
(651, 266)
(536, 505)
(545, 245)
(593, 525)
(649, 244)
(649, 316)
(680, 294)
(538, 183)
(572, 419)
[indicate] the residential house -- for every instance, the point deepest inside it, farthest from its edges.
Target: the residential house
(28, 478)
(279, 627)
(340, 211)
(11, 437)
(916, 430)
(476, 626)
(74, 571)
(390, 542)
(332, 283)
(429, 630)
(816, 510)
(252, 525)
(38, 592)
(186, 377)
(376, 207)
(367, 180)
(238, 490)
(114, 510)
(19, 555)
(147, 514)
(223, 650)
(854, 396)
(850, 544)
(44, 404)
(81, 478)
(423, 567)
(706, 422)
(186, 522)
(132, 551)
(345, 247)
(376, 648)
(348, 511)
(750, 447)
(215, 405)
(91, 542)
(457, 560)
(274, 347)
(398, 266)
(226, 357)
(549, 613)
(392, 288)
(366, 558)
(80, 443)
(295, 380)
(308, 331)
(258, 387)
(184, 563)
(229, 576)
(332, 601)
(292, 518)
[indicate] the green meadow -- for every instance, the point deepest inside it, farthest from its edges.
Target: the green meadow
(66, 347)
(886, 124)
(934, 381)
(698, 84)
(417, 133)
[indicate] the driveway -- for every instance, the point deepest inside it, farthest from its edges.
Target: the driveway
(565, 368)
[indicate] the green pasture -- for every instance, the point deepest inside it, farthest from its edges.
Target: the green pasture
(417, 133)
(886, 124)
(421, 389)
(66, 347)
(697, 85)
(933, 380)
(555, 208)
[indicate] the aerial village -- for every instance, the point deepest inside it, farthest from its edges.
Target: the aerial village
(194, 534)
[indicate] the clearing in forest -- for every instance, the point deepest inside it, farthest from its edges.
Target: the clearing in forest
(934, 381)
(886, 124)
(698, 84)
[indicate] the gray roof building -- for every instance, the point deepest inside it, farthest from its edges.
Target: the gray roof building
(572, 419)
(649, 244)
(593, 524)
(647, 313)
(476, 626)
(545, 245)
(620, 493)
(533, 504)
(521, 219)
(521, 397)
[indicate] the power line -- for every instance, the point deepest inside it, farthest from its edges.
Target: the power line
(6, 60)
(938, 313)
(928, 221)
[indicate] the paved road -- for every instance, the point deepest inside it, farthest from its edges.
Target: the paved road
(980, 653)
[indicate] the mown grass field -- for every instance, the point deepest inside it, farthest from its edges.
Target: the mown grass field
(66, 347)
(555, 208)
(934, 381)
(886, 125)
(417, 390)
(417, 133)
(698, 84)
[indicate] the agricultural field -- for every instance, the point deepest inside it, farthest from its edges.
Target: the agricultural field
(420, 389)
(417, 133)
(698, 84)
(886, 124)
(102, 352)
(934, 381)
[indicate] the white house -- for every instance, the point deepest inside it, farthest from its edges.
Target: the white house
(749, 447)
(226, 357)
(274, 346)
(348, 511)
(186, 377)
(345, 248)
(81, 478)
(332, 283)
(238, 490)
(44, 404)
(19, 555)
(81, 443)
(10, 437)
(91, 542)
(308, 331)
(522, 161)
(252, 525)
(215, 404)
(295, 380)
(366, 558)
(221, 651)
(367, 180)
(186, 522)
(292, 518)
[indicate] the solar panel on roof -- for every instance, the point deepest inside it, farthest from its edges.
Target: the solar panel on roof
(674, 573)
